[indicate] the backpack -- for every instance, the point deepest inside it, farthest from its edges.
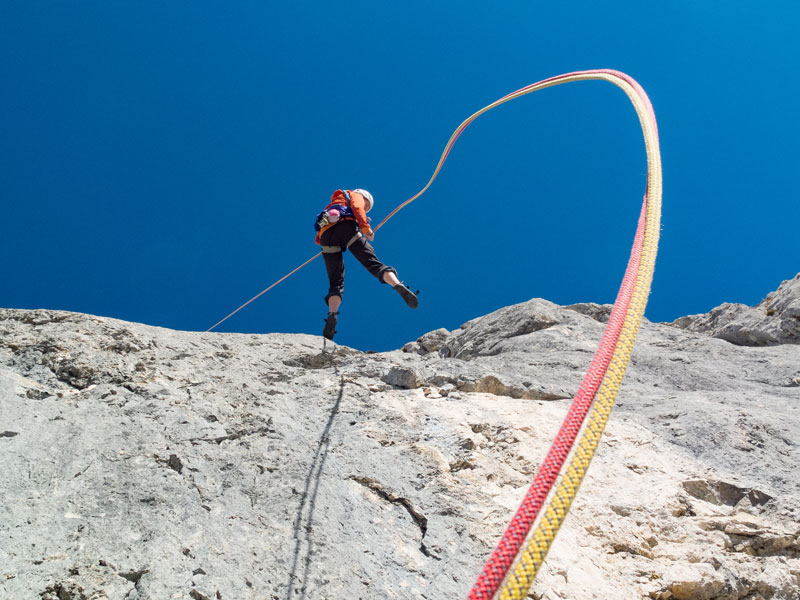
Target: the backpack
(333, 212)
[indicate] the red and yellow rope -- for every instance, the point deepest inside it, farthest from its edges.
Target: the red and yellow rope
(608, 366)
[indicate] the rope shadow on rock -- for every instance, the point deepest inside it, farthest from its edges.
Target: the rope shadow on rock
(302, 527)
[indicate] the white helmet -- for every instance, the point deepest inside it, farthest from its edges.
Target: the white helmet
(367, 197)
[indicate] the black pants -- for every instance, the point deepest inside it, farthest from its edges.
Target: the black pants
(339, 235)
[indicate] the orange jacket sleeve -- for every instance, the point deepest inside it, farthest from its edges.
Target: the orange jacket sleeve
(359, 205)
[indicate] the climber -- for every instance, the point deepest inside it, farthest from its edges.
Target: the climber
(344, 225)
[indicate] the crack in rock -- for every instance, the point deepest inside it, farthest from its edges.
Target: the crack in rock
(724, 493)
(236, 435)
(175, 463)
(419, 519)
(63, 591)
(133, 576)
(490, 384)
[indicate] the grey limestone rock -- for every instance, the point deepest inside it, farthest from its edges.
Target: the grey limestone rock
(599, 312)
(142, 463)
(776, 319)
(404, 377)
(433, 341)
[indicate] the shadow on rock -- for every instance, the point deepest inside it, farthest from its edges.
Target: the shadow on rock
(304, 520)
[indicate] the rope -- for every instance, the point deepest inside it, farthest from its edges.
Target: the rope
(608, 366)
(264, 291)
(532, 557)
(498, 564)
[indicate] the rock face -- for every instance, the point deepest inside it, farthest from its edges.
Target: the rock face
(776, 320)
(143, 463)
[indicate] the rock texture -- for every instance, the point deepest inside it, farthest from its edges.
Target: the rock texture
(143, 463)
(776, 320)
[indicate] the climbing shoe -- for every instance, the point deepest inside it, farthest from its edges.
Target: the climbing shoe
(407, 295)
(330, 326)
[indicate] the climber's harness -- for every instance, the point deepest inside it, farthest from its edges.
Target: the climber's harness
(335, 249)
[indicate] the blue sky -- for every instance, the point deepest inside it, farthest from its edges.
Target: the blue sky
(162, 162)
